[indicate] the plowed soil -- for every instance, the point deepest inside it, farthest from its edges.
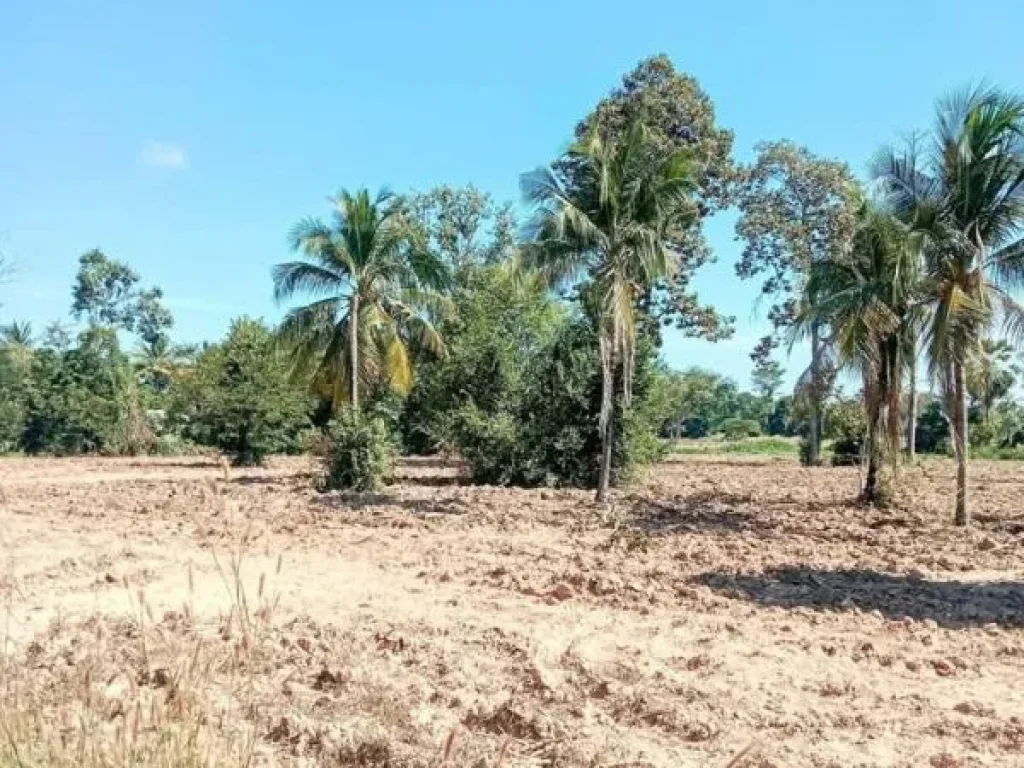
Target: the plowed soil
(723, 603)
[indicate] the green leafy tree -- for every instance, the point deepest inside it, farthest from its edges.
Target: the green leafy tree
(463, 225)
(519, 394)
(375, 287)
(963, 192)
(547, 433)
(239, 397)
(796, 210)
(767, 373)
(153, 320)
(678, 115)
(17, 351)
(781, 421)
(107, 293)
(932, 434)
(83, 399)
(57, 335)
(701, 400)
(499, 323)
(610, 222)
(766, 378)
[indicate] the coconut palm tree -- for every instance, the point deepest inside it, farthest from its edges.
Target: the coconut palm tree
(991, 373)
(375, 288)
(17, 343)
(964, 194)
(606, 215)
(157, 361)
(867, 298)
(17, 334)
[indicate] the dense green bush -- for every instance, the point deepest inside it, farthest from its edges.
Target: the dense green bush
(239, 398)
(15, 380)
(780, 421)
(519, 394)
(549, 436)
(932, 432)
(737, 429)
(845, 426)
(358, 453)
(498, 325)
(83, 399)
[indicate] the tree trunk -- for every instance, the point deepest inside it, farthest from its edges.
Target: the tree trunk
(353, 351)
(814, 438)
(607, 446)
(963, 515)
(607, 417)
(872, 441)
(891, 450)
(912, 404)
(871, 481)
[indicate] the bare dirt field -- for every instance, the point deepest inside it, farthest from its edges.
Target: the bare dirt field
(726, 602)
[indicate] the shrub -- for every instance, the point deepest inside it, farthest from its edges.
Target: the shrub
(172, 444)
(358, 453)
(240, 399)
(847, 451)
(737, 429)
(846, 425)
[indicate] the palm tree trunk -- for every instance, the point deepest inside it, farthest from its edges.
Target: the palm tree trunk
(814, 438)
(892, 412)
(607, 417)
(962, 516)
(912, 404)
(870, 491)
(872, 439)
(607, 445)
(353, 351)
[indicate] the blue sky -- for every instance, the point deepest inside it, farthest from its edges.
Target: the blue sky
(186, 138)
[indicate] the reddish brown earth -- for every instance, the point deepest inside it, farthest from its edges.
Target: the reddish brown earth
(724, 603)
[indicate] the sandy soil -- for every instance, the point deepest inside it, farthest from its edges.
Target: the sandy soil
(726, 601)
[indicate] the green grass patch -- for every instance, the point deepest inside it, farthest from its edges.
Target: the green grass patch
(999, 454)
(751, 446)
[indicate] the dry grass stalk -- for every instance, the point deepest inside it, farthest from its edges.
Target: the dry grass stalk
(177, 702)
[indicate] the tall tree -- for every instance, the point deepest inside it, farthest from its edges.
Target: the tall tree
(796, 210)
(375, 287)
(964, 193)
(610, 223)
(463, 225)
(866, 296)
(107, 293)
(678, 115)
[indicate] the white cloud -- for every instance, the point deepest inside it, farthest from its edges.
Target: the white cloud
(163, 154)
